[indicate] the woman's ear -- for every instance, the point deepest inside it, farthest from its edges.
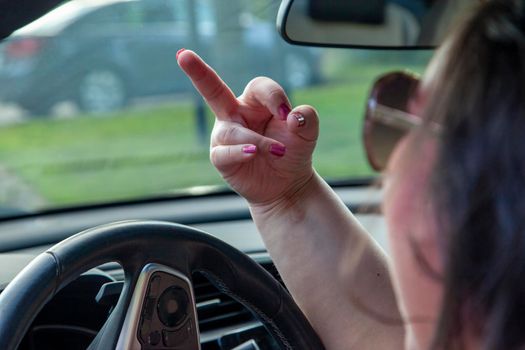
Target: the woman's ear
(425, 239)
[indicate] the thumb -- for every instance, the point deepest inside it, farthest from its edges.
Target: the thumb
(304, 122)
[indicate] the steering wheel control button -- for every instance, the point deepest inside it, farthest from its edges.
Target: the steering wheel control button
(145, 330)
(178, 337)
(172, 306)
(154, 338)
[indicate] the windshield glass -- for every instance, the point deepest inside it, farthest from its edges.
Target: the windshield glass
(94, 109)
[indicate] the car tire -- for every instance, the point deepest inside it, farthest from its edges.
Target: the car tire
(40, 108)
(297, 71)
(101, 90)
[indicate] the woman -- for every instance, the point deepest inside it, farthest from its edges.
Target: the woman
(454, 200)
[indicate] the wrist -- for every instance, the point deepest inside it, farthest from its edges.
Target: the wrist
(290, 201)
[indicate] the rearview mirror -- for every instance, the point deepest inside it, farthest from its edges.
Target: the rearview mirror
(370, 23)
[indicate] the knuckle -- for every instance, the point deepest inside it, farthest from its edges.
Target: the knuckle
(276, 92)
(264, 83)
(227, 135)
(214, 155)
(221, 157)
(256, 81)
(216, 132)
(266, 89)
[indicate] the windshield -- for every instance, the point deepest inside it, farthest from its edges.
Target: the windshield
(94, 109)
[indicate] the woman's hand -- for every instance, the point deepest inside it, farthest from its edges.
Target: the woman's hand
(307, 229)
(261, 149)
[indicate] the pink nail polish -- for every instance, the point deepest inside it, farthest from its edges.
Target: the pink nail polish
(284, 110)
(178, 53)
(249, 149)
(277, 150)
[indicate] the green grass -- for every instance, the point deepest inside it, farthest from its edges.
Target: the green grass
(118, 156)
(154, 150)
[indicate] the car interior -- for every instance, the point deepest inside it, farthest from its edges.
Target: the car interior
(115, 230)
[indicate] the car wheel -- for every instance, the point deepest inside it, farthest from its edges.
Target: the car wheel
(101, 90)
(298, 71)
(40, 108)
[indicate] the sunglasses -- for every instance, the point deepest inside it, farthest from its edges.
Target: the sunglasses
(387, 119)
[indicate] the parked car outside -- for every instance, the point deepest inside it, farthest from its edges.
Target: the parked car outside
(119, 45)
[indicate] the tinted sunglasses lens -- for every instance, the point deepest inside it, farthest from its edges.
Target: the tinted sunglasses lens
(379, 144)
(392, 90)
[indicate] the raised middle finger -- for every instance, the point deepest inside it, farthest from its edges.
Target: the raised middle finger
(213, 89)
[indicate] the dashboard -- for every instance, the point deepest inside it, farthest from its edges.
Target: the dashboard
(74, 316)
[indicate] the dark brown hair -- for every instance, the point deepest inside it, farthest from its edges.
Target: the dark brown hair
(479, 179)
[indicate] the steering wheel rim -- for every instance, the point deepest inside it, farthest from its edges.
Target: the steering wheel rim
(135, 244)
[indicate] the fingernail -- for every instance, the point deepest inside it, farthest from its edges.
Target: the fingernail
(300, 119)
(178, 53)
(277, 150)
(284, 110)
(249, 149)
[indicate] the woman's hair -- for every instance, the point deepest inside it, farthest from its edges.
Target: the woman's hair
(479, 179)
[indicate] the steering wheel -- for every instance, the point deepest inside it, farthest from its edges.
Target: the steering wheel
(156, 308)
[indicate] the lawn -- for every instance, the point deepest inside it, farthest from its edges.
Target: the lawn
(154, 150)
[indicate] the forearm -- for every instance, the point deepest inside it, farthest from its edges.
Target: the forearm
(326, 259)
(334, 270)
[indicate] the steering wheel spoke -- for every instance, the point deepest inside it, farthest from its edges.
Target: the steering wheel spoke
(161, 313)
